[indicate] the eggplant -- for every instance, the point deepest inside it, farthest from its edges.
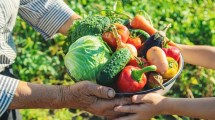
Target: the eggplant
(155, 40)
(158, 39)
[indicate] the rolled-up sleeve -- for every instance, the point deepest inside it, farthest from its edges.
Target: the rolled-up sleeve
(46, 16)
(7, 88)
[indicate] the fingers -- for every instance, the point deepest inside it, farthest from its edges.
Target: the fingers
(106, 107)
(101, 91)
(128, 108)
(112, 115)
(146, 98)
(123, 101)
(130, 117)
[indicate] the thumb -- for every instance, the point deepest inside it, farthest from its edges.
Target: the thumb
(102, 91)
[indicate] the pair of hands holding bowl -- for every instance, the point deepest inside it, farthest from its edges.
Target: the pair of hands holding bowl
(100, 100)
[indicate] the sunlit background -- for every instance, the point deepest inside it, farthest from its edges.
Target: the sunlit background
(193, 22)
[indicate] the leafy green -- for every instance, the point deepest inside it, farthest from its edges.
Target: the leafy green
(86, 57)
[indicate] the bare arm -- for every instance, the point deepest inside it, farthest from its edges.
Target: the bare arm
(29, 95)
(155, 104)
(64, 29)
(199, 55)
(196, 108)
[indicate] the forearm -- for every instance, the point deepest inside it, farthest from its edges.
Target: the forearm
(68, 24)
(199, 55)
(196, 108)
(29, 95)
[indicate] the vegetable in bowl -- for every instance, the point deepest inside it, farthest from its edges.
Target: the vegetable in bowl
(86, 57)
(91, 25)
(158, 89)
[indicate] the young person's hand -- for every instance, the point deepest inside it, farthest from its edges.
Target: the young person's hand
(145, 107)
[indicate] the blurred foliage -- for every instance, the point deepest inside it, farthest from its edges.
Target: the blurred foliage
(193, 22)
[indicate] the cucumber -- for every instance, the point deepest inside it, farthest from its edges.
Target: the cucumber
(114, 65)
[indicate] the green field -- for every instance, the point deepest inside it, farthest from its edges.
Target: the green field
(193, 22)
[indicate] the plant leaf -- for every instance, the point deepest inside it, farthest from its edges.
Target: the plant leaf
(118, 6)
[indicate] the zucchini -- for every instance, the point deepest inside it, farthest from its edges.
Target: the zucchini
(114, 65)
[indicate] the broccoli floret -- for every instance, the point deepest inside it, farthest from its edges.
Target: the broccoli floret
(91, 25)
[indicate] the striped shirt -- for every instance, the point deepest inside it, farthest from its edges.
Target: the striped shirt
(45, 16)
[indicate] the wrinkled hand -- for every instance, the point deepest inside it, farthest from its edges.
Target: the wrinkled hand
(93, 98)
(146, 107)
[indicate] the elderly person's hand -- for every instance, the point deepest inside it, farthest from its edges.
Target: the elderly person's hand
(85, 95)
(93, 98)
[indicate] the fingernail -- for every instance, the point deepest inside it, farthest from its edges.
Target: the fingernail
(111, 93)
(116, 108)
(134, 98)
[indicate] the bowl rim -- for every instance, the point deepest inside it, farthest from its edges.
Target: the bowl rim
(157, 88)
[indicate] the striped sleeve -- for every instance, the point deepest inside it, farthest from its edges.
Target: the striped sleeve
(46, 16)
(7, 88)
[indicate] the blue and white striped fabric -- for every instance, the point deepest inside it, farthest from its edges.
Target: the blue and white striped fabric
(45, 16)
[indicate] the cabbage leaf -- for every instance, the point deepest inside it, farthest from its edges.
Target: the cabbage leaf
(86, 57)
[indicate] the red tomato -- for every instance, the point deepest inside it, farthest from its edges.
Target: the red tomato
(122, 31)
(172, 52)
(111, 40)
(126, 83)
(108, 37)
(135, 41)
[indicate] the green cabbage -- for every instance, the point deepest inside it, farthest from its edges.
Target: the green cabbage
(86, 57)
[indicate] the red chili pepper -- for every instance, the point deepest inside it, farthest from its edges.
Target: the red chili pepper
(172, 52)
(133, 79)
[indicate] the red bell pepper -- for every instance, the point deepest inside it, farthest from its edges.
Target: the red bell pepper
(133, 79)
(172, 52)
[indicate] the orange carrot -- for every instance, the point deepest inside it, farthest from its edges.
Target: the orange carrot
(139, 22)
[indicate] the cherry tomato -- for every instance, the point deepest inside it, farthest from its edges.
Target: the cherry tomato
(135, 41)
(108, 37)
(172, 52)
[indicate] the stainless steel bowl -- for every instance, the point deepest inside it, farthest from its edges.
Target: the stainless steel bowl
(167, 85)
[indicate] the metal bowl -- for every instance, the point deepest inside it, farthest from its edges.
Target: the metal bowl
(167, 85)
